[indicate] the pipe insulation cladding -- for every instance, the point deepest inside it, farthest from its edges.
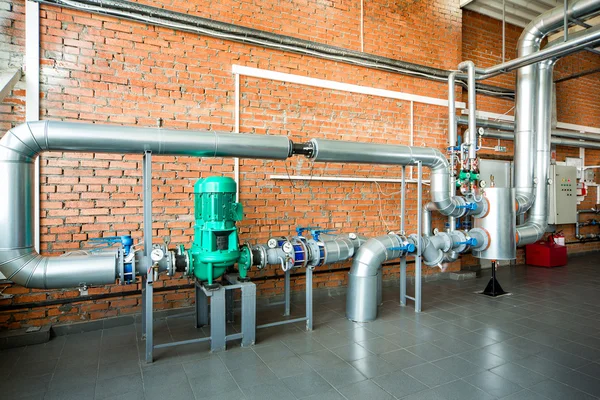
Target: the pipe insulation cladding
(19, 147)
(372, 153)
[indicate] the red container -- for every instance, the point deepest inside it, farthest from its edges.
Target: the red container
(546, 254)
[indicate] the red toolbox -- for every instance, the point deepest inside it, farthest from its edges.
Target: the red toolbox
(546, 253)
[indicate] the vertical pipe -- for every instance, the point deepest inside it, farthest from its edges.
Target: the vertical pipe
(419, 236)
(452, 137)
(412, 131)
(566, 21)
(147, 202)
(472, 104)
(236, 160)
(503, 30)
(32, 93)
(362, 25)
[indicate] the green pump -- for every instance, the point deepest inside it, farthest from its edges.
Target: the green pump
(216, 246)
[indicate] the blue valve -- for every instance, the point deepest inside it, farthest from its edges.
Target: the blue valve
(300, 229)
(406, 248)
(469, 206)
(469, 242)
(316, 233)
(126, 241)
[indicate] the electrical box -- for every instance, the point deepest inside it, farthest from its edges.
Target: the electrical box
(563, 195)
(500, 170)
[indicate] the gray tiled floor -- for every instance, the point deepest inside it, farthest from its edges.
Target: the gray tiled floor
(541, 342)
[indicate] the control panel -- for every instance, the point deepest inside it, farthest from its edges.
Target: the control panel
(563, 195)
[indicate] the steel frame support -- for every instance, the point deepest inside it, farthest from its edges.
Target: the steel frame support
(419, 236)
(403, 258)
(148, 287)
(286, 293)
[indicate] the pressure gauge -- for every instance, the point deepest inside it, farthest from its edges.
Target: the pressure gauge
(352, 236)
(288, 248)
(272, 243)
(482, 184)
(157, 255)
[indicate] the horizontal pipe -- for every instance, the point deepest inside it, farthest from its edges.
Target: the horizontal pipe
(21, 145)
(547, 23)
(510, 127)
(373, 153)
(496, 134)
(189, 23)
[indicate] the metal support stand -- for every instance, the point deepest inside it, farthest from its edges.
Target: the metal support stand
(147, 297)
(403, 258)
(419, 236)
(309, 299)
(309, 305)
(229, 304)
(201, 306)
(493, 287)
(286, 291)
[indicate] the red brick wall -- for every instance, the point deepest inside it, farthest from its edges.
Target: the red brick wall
(104, 70)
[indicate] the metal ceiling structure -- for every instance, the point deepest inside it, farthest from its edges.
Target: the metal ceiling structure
(517, 12)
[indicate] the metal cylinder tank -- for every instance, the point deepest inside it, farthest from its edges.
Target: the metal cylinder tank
(500, 225)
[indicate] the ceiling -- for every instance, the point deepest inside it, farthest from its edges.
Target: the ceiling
(518, 12)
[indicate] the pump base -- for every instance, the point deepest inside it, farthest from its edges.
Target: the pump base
(493, 287)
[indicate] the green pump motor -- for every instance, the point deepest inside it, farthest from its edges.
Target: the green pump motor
(216, 247)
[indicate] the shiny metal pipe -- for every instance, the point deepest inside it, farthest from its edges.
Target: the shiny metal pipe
(537, 29)
(469, 66)
(372, 153)
(537, 222)
(525, 109)
(496, 134)
(510, 127)
(362, 297)
(20, 146)
(452, 136)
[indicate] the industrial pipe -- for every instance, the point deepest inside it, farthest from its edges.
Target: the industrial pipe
(526, 102)
(510, 127)
(496, 134)
(580, 224)
(19, 147)
(472, 104)
(536, 224)
(371, 153)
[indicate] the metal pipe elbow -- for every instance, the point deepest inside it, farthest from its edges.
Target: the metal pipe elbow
(372, 254)
(24, 142)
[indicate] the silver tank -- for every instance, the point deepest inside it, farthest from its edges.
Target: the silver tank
(500, 225)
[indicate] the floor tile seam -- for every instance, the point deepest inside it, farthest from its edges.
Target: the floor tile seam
(572, 387)
(335, 388)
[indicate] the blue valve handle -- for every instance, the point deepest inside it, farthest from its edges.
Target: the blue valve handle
(126, 241)
(407, 248)
(469, 242)
(469, 206)
(300, 229)
(316, 233)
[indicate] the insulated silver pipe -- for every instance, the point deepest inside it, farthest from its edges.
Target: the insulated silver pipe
(361, 302)
(510, 127)
(469, 66)
(19, 147)
(496, 134)
(371, 153)
(537, 222)
(525, 109)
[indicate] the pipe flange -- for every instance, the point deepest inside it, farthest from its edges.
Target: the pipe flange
(462, 238)
(260, 256)
(314, 256)
(436, 261)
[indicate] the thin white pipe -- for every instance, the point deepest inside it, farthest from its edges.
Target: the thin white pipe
(362, 27)
(338, 179)
(341, 86)
(32, 93)
(503, 30)
(236, 161)
(412, 137)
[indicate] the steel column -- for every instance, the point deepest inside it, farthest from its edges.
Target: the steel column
(201, 306)
(403, 258)
(218, 325)
(309, 299)
(248, 313)
(229, 305)
(419, 236)
(148, 297)
(286, 293)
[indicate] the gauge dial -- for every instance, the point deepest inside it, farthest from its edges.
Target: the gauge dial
(157, 255)
(287, 247)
